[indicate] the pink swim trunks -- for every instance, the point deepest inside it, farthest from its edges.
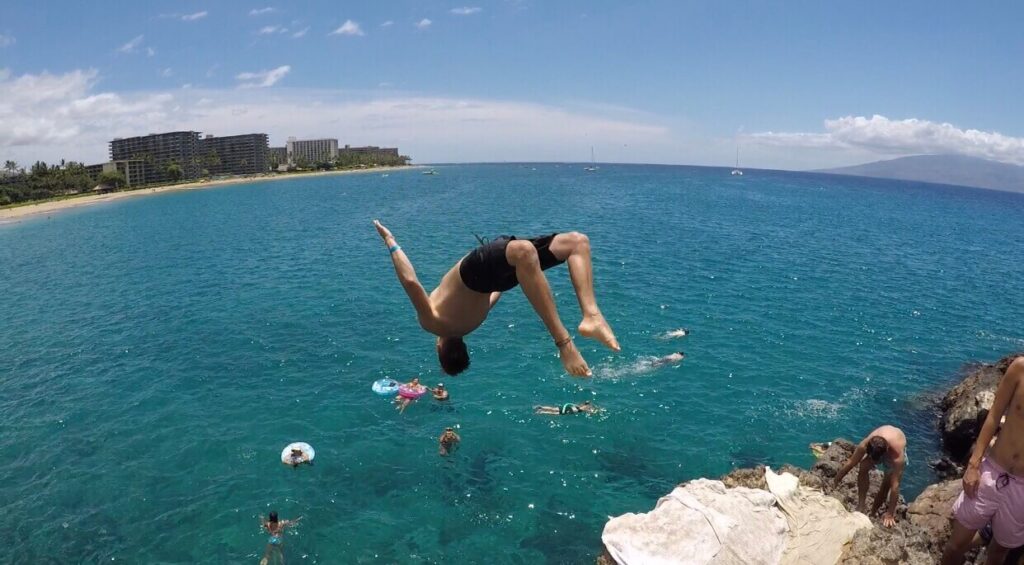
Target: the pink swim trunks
(1000, 499)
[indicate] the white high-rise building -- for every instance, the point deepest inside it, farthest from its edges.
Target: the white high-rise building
(311, 151)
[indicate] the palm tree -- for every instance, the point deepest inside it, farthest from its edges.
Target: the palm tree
(10, 166)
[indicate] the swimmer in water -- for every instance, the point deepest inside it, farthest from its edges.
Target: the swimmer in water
(275, 529)
(440, 393)
(471, 288)
(298, 457)
(401, 402)
(681, 332)
(672, 358)
(448, 442)
(568, 408)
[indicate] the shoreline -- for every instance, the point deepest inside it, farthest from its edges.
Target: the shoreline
(18, 213)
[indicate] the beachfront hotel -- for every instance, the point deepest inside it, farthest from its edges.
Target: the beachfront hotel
(157, 151)
(246, 154)
(369, 151)
(311, 151)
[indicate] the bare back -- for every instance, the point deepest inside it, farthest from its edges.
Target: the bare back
(1008, 450)
(896, 439)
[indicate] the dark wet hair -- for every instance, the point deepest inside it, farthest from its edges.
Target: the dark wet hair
(877, 446)
(273, 516)
(453, 355)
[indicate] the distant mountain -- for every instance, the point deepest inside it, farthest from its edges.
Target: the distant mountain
(942, 169)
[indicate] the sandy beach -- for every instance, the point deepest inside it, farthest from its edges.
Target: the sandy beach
(8, 215)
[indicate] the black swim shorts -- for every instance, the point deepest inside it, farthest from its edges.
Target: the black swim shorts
(486, 269)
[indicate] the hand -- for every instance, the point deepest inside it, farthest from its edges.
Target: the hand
(888, 520)
(383, 231)
(971, 478)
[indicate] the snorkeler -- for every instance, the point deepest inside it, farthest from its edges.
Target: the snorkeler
(275, 528)
(440, 393)
(470, 289)
(669, 359)
(886, 446)
(448, 442)
(568, 408)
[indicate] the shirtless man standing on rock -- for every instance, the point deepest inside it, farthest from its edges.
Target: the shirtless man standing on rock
(886, 446)
(994, 481)
(471, 288)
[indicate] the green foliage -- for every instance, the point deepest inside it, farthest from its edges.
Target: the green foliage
(347, 160)
(174, 171)
(43, 181)
(113, 178)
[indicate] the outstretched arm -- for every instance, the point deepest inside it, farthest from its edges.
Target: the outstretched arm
(407, 276)
(1005, 392)
(858, 454)
(494, 299)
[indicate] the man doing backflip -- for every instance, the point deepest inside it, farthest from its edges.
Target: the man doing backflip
(466, 294)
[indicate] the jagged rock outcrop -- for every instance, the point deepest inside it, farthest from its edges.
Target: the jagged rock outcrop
(965, 407)
(924, 525)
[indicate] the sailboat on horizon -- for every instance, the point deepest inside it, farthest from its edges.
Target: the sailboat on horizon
(593, 165)
(737, 172)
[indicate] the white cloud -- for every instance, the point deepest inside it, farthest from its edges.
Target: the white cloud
(150, 51)
(7, 40)
(193, 17)
(883, 137)
(301, 32)
(63, 116)
(466, 10)
(423, 24)
(270, 30)
(132, 45)
(388, 23)
(167, 72)
(348, 28)
(263, 79)
(186, 86)
(261, 11)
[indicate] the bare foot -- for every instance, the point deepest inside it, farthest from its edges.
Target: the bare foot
(573, 361)
(595, 327)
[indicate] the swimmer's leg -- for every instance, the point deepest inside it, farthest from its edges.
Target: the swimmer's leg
(522, 255)
(574, 248)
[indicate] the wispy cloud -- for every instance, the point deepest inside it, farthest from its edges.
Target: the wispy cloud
(466, 10)
(263, 79)
(6, 40)
(261, 11)
(881, 136)
(348, 28)
(301, 32)
(270, 30)
(193, 17)
(132, 45)
(167, 72)
(66, 116)
(423, 24)
(150, 51)
(388, 23)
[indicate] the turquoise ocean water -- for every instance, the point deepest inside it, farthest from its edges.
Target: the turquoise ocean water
(157, 353)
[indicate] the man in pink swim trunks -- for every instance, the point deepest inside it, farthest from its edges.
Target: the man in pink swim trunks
(994, 482)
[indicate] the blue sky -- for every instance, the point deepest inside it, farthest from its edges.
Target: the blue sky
(798, 84)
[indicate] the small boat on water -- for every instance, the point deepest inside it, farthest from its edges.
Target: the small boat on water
(737, 172)
(593, 166)
(430, 172)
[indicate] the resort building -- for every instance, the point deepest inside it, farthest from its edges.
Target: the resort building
(246, 154)
(278, 156)
(370, 152)
(133, 171)
(158, 152)
(311, 151)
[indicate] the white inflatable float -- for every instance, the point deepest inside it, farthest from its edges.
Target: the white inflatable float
(308, 453)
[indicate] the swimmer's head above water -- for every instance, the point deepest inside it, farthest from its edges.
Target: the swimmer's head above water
(453, 355)
(272, 517)
(877, 448)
